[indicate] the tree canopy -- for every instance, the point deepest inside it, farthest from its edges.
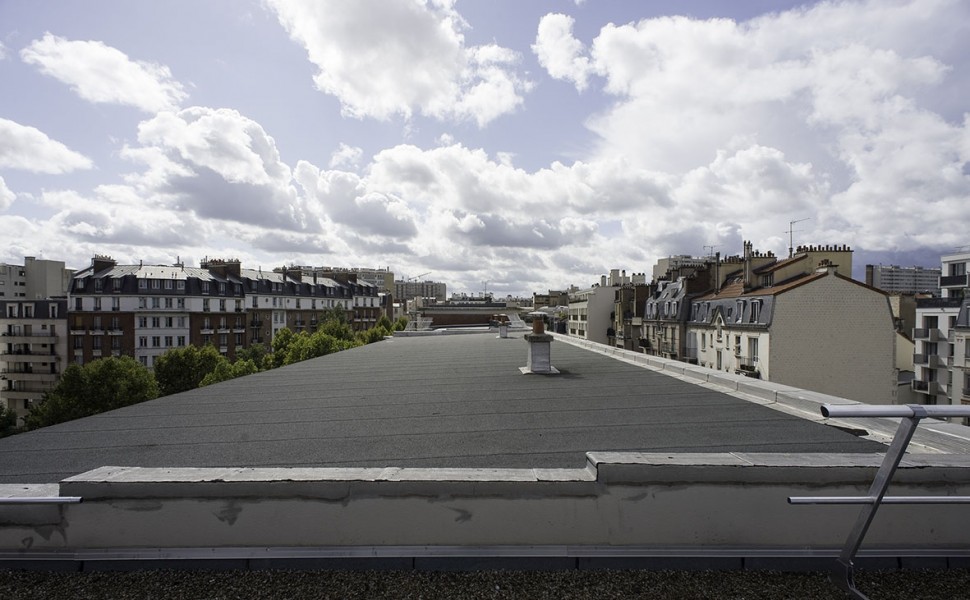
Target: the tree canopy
(182, 369)
(99, 386)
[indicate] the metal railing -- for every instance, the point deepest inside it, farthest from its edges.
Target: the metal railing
(910, 415)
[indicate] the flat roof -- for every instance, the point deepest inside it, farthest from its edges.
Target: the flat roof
(438, 401)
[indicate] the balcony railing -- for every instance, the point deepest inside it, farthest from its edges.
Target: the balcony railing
(931, 388)
(953, 281)
(929, 335)
(748, 363)
(934, 361)
(919, 359)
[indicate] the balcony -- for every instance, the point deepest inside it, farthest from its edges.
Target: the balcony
(76, 331)
(14, 375)
(931, 388)
(115, 332)
(748, 363)
(206, 331)
(948, 281)
(9, 338)
(239, 329)
(966, 392)
(928, 335)
(222, 330)
(934, 361)
(919, 359)
(32, 395)
(96, 331)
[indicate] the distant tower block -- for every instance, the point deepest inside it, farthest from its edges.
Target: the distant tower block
(539, 359)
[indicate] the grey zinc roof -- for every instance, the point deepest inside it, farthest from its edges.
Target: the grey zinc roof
(443, 401)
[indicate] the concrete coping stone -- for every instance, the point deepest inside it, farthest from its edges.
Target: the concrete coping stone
(29, 490)
(603, 467)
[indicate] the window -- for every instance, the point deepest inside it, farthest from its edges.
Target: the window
(156, 341)
(168, 341)
(205, 304)
(753, 348)
(143, 360)
(180, 321)
(222, 289)
(239, 339)
(97, 323)
(142, 302)
(180, 284)
(156, 322)
(222, 306)
(98, 285)
(96, 342)
(116, 304)
(143, 322)
(255, 301)
(181, 340)
(115, 323)
(97, 304)
(222, 322)
(206, 340)
(223, 339)
(115, 342)
(205, 287)
(143, 341)
(156, 302)
(755, 311)
(180, 303)
(156, 284)
(958, 269)
(168, 284)
(169, 321)
(206, 323)
(168, 303)
(78, 342)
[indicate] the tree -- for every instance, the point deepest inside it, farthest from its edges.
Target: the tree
(401, 324)
(385, 323)
(225, 371)
(256, 353)
(96, 387)
(281, 346)
(8, 421)
(374, 334)
(182, 369)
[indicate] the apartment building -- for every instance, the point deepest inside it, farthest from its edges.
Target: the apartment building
(904, 280)
(591, 309)
(799, 322)
(35, 279)
(409, 290)
(628, 310)
(145, 310)
(940, 344)
(33, 350)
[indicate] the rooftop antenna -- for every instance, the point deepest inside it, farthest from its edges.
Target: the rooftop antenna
(712, 247)
(791, 235)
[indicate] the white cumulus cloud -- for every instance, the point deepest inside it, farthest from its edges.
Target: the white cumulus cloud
(384, 58)
(29, 149)
(6, 196)
(99, 73)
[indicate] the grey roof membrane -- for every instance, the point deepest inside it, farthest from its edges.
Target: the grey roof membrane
(443, 401)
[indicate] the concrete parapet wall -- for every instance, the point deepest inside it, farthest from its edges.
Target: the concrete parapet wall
(643, 500)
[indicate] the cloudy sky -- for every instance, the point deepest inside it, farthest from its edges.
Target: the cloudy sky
(502, 145)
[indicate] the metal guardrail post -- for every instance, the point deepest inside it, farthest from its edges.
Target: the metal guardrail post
(911, 415)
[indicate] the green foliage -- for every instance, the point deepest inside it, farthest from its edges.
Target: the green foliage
(401, 324)
(336, 313)
(225, 371)
(338, 329)
(385, 323)
(374, 334)
(96, 387)
(281, 346)
(8, 422)
(256, 353)
(182, 369)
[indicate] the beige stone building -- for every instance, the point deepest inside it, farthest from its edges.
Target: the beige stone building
(800, 322)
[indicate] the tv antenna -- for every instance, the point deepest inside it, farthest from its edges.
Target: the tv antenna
(791, 235)
(712, 247)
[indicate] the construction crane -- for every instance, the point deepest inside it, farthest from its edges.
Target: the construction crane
(416, 277)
